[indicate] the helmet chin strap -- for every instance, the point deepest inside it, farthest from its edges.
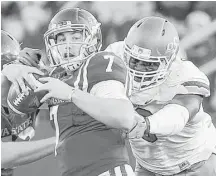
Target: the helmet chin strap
(71, 65)
(136, 85)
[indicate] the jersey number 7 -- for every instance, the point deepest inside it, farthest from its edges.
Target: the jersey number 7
(109, 66)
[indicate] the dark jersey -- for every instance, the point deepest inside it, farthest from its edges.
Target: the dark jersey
(6, 126)
(90, 147)
(7, 172)
(13, 124)
(6, 135)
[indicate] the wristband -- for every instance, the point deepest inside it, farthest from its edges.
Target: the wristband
(147, 135)
(70, 97)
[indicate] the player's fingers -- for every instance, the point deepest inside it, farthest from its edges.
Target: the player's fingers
(30, 81)
(24, 60)
(45, 79)
(46, 97)
(35, 70)
(35, 55)
(44, 87)
(16, 87)
(21, 84)
(32, 50)
(28, 61)
(38, 54)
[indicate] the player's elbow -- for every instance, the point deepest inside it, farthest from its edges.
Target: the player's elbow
(191, 102)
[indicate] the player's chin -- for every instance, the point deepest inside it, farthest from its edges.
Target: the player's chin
(137, 79)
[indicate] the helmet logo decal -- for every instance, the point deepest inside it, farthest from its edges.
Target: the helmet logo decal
(91, 20)
(173, 46)
(142, 52)
(62, 23)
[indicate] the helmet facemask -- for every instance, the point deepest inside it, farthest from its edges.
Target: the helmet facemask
(68, 58)
(155, 68)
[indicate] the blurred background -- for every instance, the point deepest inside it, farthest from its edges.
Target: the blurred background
(195, 21)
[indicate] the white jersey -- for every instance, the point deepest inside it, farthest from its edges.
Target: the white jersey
(196, 142)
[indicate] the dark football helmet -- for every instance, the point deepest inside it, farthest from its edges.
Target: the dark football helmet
(72, 20)
(152, 42)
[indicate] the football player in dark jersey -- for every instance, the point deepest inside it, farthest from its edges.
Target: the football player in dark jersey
(88, 105)
(90, 124)
(15, 127)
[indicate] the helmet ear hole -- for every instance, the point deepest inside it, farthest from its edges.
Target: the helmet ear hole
(139, 24)
(163, 32)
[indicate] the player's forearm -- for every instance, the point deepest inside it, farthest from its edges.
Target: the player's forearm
(174, 116)
(169, 120)
(20, 153)
(117, 113)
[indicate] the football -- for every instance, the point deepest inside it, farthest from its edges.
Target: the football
(21, 103)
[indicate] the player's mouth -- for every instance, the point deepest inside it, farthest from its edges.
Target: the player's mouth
(139, 79)
(66, 55)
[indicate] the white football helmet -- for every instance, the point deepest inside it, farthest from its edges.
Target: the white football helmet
(152, 42)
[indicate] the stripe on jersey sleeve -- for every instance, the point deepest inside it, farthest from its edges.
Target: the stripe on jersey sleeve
(196, 87)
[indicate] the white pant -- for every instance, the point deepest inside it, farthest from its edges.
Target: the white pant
(123, 170)
(203, 168)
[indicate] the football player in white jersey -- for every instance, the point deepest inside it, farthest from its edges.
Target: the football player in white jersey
(173, 135)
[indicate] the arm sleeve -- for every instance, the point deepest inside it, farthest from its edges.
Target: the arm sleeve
(169, 120)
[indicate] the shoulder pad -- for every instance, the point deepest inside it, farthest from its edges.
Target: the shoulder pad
(186, 76)
(116, 48)
(102, 66)
(105, 66)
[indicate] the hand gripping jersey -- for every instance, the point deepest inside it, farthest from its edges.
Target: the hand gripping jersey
(89, 147)
(168, 155)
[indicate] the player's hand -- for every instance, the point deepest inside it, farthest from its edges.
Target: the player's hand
(18, 73)
(139, 129)
(56, 88)
(30, 57)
